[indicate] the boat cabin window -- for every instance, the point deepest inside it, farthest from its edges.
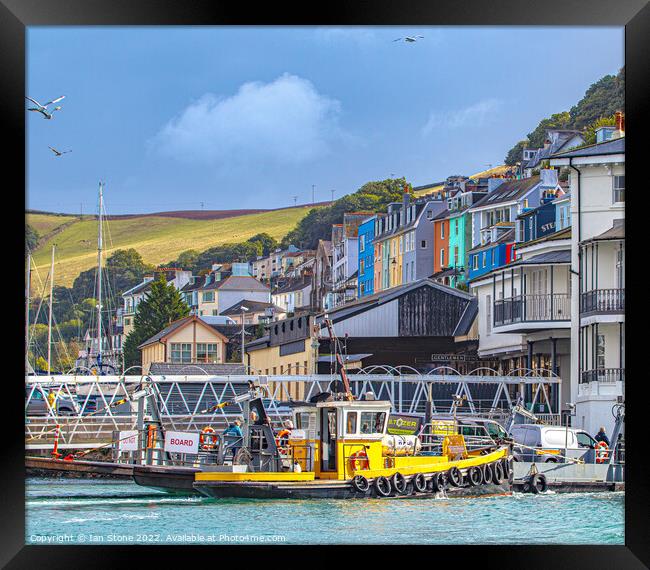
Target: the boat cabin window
(351, 423)
(373, 422)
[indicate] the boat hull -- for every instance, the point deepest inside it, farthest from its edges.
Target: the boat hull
(327, 490)
(176, 480)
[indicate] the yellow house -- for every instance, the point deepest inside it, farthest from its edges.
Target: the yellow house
(185, 341)
(396, 244)
(289, 349)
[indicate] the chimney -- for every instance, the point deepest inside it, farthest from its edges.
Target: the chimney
(620, 123)
(494, 183)
(406, 198)
(548, 176)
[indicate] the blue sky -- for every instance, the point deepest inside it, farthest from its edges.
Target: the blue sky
(248, 117)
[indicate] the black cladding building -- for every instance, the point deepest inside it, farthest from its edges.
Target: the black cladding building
(422, 324)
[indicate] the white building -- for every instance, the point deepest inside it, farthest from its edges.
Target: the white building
(345, 257)
(134, 296)
(294, 296)
(597, 181)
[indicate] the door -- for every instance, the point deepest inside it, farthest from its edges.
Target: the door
(328, 440)
(587, 446)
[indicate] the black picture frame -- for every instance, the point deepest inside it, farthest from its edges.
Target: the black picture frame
(16, 15)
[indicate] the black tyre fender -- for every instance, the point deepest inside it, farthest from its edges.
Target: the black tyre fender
(499, 475)
(508, 472)
(455, 477)
(538, 483)
(488, 474)
(474, 476)
(419, 483)
(399, 483)
(360, 484)
(383, 487)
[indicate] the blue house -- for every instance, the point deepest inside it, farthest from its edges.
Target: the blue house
(366, 273)
(535, 223)
(496, 253)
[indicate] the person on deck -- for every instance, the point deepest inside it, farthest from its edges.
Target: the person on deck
(234, 435)
(602, 436)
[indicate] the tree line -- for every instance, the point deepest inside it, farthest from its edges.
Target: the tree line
(597, 108)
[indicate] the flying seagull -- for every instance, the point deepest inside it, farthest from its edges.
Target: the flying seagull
(43, 108)
(409, 39)
(58, 153)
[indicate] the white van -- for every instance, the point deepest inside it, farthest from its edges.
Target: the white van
(551, 442)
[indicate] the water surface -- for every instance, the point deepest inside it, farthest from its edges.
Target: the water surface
(101, 511)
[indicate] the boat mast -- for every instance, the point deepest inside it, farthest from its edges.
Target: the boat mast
(49, 320)
(28, 285)
(99, 277)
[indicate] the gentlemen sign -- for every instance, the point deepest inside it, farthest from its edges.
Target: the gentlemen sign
(181, 442)
(402, 424)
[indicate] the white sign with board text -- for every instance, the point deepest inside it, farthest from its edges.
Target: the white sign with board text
(128, 440)
(181, 442)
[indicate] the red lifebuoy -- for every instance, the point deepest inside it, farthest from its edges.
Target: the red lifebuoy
(208, 438)
(602, 452)
(359, 460)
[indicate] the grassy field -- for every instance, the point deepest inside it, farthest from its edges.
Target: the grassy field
(157, 239)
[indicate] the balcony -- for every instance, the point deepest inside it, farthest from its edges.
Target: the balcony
(603, 375)
(602, 301)
(525, 313)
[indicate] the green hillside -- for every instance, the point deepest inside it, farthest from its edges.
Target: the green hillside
(157, 239)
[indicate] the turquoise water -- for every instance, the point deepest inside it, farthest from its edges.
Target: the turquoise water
(69, 511)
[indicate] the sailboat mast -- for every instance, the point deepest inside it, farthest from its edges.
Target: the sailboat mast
(99, 276)
(49, 320)
(28, 285)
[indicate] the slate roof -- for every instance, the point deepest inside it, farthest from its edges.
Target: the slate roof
(293, 286)
(442, 215)
(252, 306)
(548, 258)
(140, 287)
(365, 303)
(211, 368)
(616, 146)
(543, 153)
(467, 319)
(508, 191)
(168, 329)
(616, 232)
(238, 283)
(181, 323)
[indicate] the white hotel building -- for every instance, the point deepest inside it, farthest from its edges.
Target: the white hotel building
(597, 182)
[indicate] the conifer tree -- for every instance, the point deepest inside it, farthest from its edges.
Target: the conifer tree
(162, 306)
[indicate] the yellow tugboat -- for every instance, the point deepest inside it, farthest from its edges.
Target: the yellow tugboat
(341, 449)
(338, 447)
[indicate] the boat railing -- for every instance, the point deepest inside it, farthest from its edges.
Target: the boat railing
(224, 453)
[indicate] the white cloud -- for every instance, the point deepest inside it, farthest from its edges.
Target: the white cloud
(284, 121)
(477, 114)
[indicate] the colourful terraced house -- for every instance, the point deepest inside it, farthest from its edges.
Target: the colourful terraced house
(366, 268)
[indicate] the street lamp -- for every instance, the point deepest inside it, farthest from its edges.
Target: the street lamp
(458, 271)
(244, 310)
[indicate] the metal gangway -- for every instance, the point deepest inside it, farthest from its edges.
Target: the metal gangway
(103, 405)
